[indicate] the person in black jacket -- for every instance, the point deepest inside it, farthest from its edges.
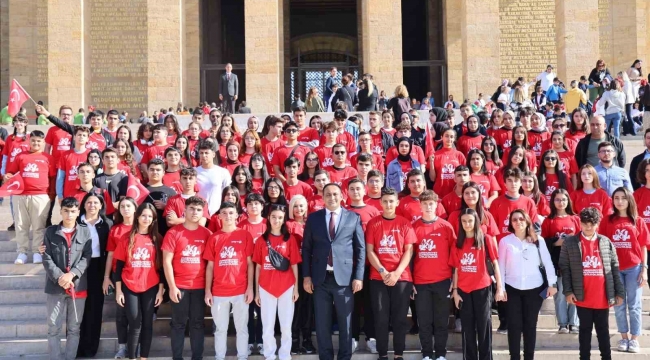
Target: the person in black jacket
(374, 119)
(596, 77)
(346, 93)
(368, 96)
(95, 119)
(598, 134)
(634, 165)
(66, 259)
(92, 216)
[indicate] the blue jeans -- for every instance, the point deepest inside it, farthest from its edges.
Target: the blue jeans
(631, 303)
(566, 314)
(615, 121)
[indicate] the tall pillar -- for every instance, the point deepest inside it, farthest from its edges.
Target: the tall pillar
(577, 37)
(453, 48)
(481, 63)
(4, 52)
(191, 52)
(264, 54)
(382, 42)
(628, 33)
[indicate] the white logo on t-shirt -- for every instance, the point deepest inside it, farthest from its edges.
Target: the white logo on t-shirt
(191, 255)
(447, 172)
(92, 145)
(328, 162)
(64, 144)
(227, 252)
(387, 245)
(140, 258)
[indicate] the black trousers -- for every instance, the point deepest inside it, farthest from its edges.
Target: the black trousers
(363, 308)
(523, 308)
(303, 313)
(139, 312)
(327, 296)
(477, 324)
(390, 305)
(255, 326)
(432, 303)
(91, 323)
(588, 319)
(121, 322)
(192, 308)
(501, 310)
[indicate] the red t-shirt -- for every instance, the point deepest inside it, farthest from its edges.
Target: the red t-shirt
(628, 238)
(535, 140)
(139, 273)
(568, 163)
(503, 138)
(282, 154)
(470, 263)
(308, 134)
(446, 161)
(273, 281)
(154, 152)
(416, 154)
(116, 235)
(377, 143)
(553, 183)
(59, 140)
(598, 199)
(297, 230)
(466, 143)
(366, 213)
(315, 203)
(96, 140)
(409, 208)
(176, 204)
(451, 202)
(375, 202)
(300, 188)
(377, 162)
(487, 184)
(503, 206)
(268, 150)
(488, 225)
(593, 276)
(389, 238)
(187, 247)
(337, 176)
(68, 163)
(143, 145)
(256, 230)
(324, 154)
(558, 226)
(642, 198)
(431, 251)
(347, 140)
(229, 252)
(531, 159)
(36, 170)
(15, 145)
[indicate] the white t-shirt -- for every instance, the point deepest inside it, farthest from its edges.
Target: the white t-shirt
(211, 183)
(547, 79)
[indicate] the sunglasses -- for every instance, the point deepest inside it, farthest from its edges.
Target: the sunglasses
(339, 152)
(549, 158)
(291, 131)
(518, 219)
(559, 126)
(312, 159)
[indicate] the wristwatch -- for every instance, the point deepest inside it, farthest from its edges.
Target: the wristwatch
(554, 286)
(382, 270)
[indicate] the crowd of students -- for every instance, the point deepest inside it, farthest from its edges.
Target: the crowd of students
(498, 214)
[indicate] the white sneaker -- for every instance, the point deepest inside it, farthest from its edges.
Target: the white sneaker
(372, 345)
(441, 358)
(459, 326)
(355, 345)
(21, 259)
(426, 358)
(250, 349)
(633, 346)
(260, 349)
(121, 352)
(623, 345)
(38, 258)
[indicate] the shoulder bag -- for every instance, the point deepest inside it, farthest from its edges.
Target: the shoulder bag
(276, 259)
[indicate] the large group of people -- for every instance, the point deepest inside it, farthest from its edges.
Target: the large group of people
(312, 222)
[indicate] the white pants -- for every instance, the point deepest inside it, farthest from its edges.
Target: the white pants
(283, 307)
(221, 315)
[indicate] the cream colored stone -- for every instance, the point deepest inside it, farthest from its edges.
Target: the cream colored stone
(577, 37)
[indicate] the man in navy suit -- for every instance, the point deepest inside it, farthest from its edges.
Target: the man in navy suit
(334, 256)
(329, 83)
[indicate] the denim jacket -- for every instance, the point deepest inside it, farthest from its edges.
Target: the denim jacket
(394, 175)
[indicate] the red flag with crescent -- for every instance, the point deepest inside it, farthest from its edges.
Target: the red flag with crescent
(17, 97)
(429, 145)
(13, 186)
(136, 190)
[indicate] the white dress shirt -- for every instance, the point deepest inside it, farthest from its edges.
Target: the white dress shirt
(93, 235)
(337, 220)
(519, 263)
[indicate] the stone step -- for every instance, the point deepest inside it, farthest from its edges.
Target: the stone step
(20, 282)
(29, 296)
(546, 340)
(25, 269)
(7, 246)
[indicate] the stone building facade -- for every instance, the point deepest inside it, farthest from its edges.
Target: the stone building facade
(148, 54)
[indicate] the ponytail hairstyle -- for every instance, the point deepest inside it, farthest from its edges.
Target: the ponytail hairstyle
(152, 232)
(479, 237)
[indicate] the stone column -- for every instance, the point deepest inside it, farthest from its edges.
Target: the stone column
(577, 38)
(629, 33)
(381, 22)
(191, 53)
(453, 48)
(264, 54)
(4, 52)
(480, 38)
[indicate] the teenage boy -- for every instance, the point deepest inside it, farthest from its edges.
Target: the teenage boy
(65, 268)
(324, 150)
(183, 248)
(340, 169)
(86, 175)
(389, 245)
(409, 207)
(291, 148)
(112, 179)
(364, 163)
(308, 136)
(112, 122)
(175, 209)
(375, 184)
(30, 207)
(452, 201)
(157, 150)
(211, 178)
(159, 194)
(432, 276)
(380, 140)
(321, 178)
(293, 186)
(66, 177)
(229, 280)
(272, 141)
(365, 146)
(99, 138)
(58, 141)
(511, 200)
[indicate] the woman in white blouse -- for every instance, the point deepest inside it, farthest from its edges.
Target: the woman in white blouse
(520, 254)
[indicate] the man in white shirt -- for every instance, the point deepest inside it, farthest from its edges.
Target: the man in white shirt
(546, 77)
(211, 178)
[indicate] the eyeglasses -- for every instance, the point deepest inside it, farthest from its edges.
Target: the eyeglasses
(559, 126)
(291, 131)
(273, 187)
(312, 159)
(518, 219)
(550, 158)
(339, 152)
(606, 151)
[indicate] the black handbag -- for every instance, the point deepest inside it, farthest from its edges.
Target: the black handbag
(542, 270)
(277, 260)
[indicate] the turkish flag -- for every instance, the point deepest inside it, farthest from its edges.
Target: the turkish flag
(17, 97)
(429, 145)
(136, 190)
(13, 186)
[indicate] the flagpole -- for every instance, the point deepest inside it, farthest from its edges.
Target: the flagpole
(23, 89)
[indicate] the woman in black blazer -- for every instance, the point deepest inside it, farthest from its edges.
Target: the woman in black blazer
(368, 96)
(346, 94)
(92, 215)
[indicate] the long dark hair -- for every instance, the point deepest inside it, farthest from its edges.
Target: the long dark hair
(185, 154)
(523, 166)
(480, 210)
(172, 117)
(304, 175)
(283, 228)
(536, 194)
(634, 66)
(235, 191)
(479, 237)
(117, 216)
(152, 231)
(265, 172)
(101, 161)
(128, 155)
(631, 210)
(569, 204)
(524, 142)
(541, 172)
(281, 199)
(102, 202)
(471, 153)
(573, 128)
(248, 186)
(494, 155)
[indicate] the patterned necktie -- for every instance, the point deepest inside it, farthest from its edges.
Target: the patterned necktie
(332, 230)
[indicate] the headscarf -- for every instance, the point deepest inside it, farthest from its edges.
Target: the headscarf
(400, 157)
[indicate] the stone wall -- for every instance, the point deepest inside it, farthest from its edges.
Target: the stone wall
(577, 28)
(4, 52)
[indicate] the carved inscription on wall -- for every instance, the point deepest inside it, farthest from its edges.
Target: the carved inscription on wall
(40, 78)
(605, 30)
(117, 46)
(528, 41)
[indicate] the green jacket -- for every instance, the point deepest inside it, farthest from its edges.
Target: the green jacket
(79, 119)
(572, 272)
(5, 119)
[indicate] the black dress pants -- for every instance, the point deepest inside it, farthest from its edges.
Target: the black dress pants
(91, 325)
(192, 308)
(303, 313)
(432, 303)
(590, 318)
(523, 308)
(363, 307)
(139, 312)
(390, 305)
(477, 324)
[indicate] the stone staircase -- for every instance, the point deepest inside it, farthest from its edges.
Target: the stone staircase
(23, 330)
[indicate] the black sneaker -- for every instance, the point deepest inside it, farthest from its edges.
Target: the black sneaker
(12, 227)
(415, 329)
(295, 348)
(308, 347)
